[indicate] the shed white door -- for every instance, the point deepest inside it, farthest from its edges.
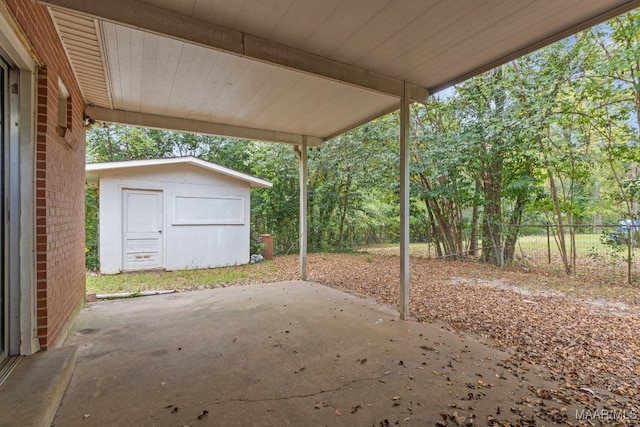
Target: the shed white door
(142, 221)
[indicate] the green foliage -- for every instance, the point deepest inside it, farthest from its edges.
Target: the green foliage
(349, 183)
(552, 136)
(275, 210)
(256, 245)
(91, 229)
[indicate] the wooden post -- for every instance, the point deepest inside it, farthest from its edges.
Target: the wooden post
(574, 249)
(629, 251)
(303, 209)
(404, 205)
(267, 251)
(548, 244)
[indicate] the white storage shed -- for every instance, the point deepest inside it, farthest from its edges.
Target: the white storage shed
(173, 214)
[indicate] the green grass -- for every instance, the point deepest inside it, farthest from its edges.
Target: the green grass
(421, 250)
(583, 242)
(185, 279)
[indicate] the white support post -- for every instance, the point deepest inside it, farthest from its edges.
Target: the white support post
(404, 205)
(303, 209)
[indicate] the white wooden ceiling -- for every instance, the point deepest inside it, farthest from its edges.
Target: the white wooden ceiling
(288, 70)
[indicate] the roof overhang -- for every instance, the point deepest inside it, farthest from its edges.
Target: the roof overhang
(93, 171)
(294, 71)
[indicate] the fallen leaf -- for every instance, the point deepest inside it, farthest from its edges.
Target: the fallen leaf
(514, 310)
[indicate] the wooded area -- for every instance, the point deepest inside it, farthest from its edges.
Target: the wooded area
(552, 137)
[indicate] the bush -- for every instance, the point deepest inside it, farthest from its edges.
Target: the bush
(92, 262)
(255, 244)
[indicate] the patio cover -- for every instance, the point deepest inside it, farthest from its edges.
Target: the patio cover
(289, 70)
(298, 71)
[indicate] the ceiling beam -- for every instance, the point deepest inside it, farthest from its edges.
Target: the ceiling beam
(145, 17)
(195, 126)
(595, 20)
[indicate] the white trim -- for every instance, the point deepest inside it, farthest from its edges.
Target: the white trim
(62, 89)
(94, 169)
(8, 297)
(29, 321)
(12, 43)
(22, 183)
(176, 220)
(21, 188)
(11, 193)
(196, 126)
(105, 61)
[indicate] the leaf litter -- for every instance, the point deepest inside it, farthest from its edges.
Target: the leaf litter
(585, 346)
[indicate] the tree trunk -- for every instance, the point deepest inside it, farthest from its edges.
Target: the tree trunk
(434, 230)
(512, 234)
(560, 235)
(444, 230)
(344, 211)
(491, 225)
(473, 238)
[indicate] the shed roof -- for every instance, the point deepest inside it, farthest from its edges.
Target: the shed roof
(294, 70)
(94, 170)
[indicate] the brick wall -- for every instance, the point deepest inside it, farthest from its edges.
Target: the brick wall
(60, 162)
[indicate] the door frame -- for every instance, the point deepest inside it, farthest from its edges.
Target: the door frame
(19, 185)
(5, 139)
(123, 222)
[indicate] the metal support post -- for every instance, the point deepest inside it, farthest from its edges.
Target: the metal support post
(303, 209)
(404, 205)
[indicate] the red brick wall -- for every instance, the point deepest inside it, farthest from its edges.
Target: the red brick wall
(59, 179)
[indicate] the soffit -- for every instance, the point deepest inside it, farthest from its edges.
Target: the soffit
(132, 67)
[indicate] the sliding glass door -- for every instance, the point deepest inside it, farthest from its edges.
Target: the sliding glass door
(4, 136)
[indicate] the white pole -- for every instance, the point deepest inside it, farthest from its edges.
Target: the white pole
(404, 204)
(303, 209)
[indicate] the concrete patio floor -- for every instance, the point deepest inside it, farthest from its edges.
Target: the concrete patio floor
(290, 353)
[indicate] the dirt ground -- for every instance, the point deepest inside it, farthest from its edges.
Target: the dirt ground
(587, 340)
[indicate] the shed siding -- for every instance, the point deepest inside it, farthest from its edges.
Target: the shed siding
(59, 179)
(189, 246)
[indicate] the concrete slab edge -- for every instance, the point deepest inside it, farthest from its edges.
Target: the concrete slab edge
(32, 394)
